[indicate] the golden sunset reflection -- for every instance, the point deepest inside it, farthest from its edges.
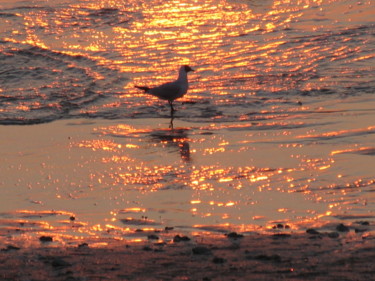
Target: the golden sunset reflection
(205, 182)
(191, 32)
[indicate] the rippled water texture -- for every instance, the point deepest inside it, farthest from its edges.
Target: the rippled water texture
(278, 124)
(83, 58)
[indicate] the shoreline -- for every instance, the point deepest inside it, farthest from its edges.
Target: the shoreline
(308, 256)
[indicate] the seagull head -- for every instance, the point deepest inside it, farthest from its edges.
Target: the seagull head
(187, 68)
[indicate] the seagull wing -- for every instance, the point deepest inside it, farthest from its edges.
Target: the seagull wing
(168, 91)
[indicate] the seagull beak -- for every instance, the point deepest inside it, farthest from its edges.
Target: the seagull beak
(188, 68)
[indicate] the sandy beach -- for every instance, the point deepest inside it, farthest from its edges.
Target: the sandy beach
(280, 256)
(265, 171)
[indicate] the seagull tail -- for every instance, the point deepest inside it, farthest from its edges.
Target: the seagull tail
(146, 89)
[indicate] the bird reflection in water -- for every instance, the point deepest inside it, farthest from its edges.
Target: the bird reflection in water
(174, 137)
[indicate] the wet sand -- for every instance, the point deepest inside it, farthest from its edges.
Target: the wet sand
(281, 256)
(112, 174)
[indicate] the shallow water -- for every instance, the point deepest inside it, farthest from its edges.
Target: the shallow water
(277, 127)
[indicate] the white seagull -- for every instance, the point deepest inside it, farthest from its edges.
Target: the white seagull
(172, 90)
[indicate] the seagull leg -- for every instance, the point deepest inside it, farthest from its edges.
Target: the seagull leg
(171, 104)
(172, 117)
(171, 122)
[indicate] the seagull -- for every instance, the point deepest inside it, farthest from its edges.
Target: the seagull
(172, 90)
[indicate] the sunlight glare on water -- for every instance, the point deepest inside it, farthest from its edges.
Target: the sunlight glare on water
(244, 51)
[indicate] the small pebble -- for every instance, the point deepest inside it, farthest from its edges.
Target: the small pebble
(234, 235)
(333, 234)
(359, 230)
(45, 238)
(342, 228)
(179, 238)
(312, 231)
(152, 237)
(281, 235)
(83, 245)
